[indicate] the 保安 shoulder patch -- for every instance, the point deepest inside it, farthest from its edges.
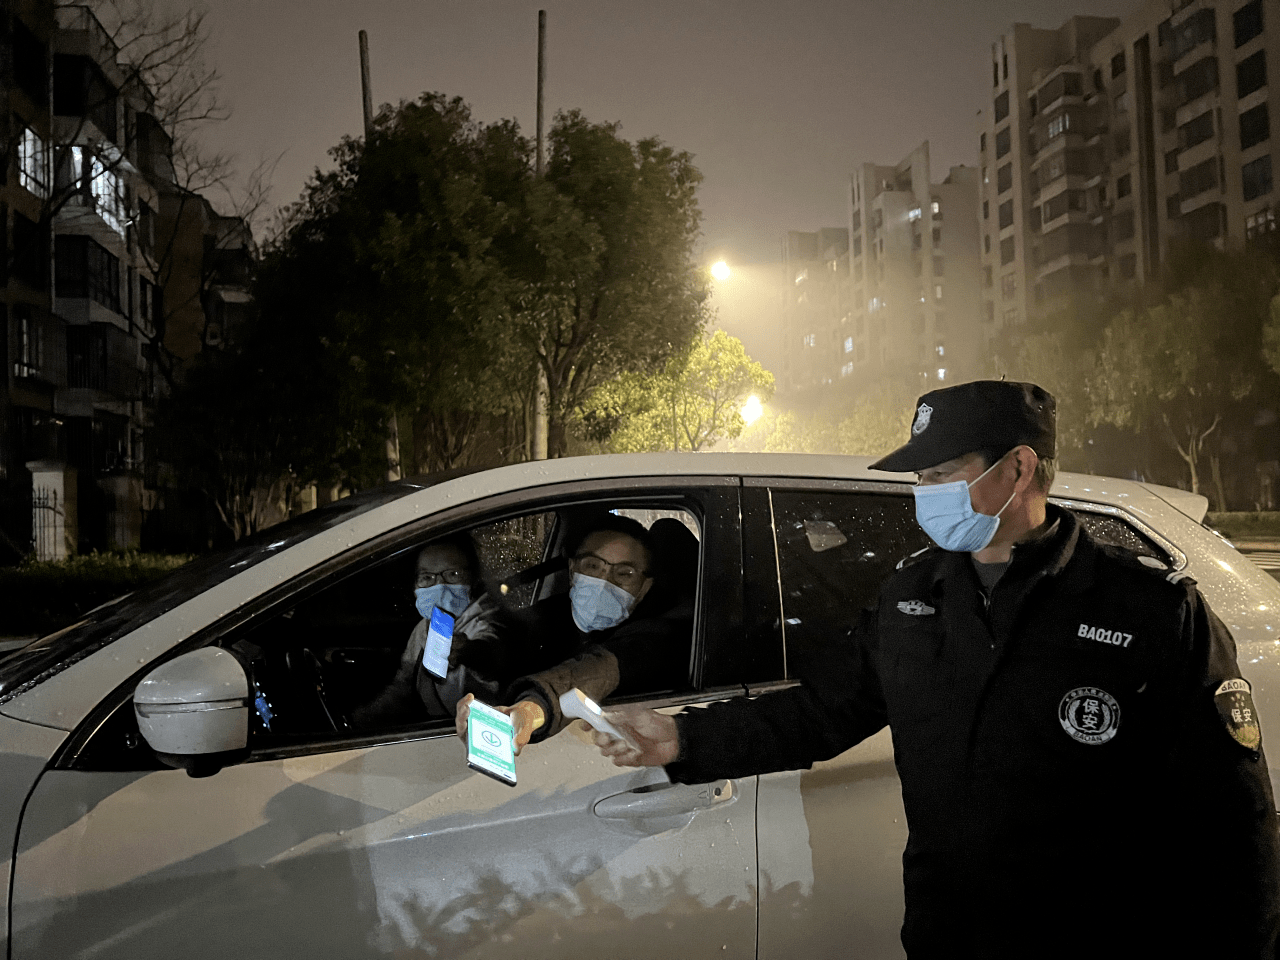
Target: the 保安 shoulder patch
(1234, 700)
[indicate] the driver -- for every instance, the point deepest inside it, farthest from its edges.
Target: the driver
(448, 577)
(610, 632)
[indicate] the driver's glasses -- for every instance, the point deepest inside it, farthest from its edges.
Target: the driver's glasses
(624, 574)
(428, 578)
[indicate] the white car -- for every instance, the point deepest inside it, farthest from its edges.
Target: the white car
(300, 837)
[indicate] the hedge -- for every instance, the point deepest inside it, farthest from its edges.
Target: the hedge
(39, 597)
(1246, 525)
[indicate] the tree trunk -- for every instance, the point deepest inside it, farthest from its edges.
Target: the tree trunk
(1215, 469)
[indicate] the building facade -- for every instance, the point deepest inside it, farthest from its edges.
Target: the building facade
(1108, 140)
(814, 295)
(90, 266)
(913, 276)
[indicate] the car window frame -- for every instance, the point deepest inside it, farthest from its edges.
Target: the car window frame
(1177, 558)
(387, 544)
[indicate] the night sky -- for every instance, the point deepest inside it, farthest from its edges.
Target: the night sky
(777, 101)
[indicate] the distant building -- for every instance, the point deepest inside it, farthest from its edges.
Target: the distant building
(814, 307)
(913, 276)
(1107, 140)
(88, 184)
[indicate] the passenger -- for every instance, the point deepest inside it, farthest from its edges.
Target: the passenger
(481, 660)
(617, 629)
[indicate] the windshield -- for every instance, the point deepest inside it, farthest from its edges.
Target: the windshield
(29, 665)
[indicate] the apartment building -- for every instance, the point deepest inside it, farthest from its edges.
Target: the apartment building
(90, 171)
(1106, 140)
(913, 276)
(814, 295)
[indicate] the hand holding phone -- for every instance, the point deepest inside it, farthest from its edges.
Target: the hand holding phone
(575, 703)
(491, 747)
(435, 653)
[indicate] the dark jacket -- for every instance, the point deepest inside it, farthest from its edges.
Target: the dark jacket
(1070, 785)
(648, 652)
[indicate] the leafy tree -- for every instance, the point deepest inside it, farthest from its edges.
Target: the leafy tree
(693, 403)
(1169, 365)
(612, 286)
(1058, 361)
(877, 423)
(444, 275)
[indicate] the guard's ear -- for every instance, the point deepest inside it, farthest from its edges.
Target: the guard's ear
(1027, 460)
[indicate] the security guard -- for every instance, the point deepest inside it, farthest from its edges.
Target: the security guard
(1081, 762)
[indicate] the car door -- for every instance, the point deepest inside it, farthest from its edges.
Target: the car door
(830, 838)
(362, 845)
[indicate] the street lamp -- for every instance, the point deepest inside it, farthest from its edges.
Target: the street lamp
(720, 271)
(752, 410)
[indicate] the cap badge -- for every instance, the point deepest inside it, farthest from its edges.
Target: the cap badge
(922, 419)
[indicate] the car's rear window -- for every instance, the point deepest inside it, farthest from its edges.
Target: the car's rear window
(28, 665)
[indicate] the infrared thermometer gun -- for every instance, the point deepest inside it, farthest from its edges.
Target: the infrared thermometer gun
(574, 703)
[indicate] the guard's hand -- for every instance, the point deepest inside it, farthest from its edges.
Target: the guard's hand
(526, 715)
(656, 741)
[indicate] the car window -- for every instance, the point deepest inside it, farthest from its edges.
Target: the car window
(834, 550)
(315, 660)
(1117, 532)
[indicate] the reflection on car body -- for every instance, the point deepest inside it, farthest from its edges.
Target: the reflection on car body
(333, 842)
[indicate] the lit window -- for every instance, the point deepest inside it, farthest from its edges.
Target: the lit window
(802, 276)
(33, 160)
(913, 213)
(809, 340)
(942, 351)
(1059, 125)
(937, 291)
(846, 370)
(942, 373)
(937, 207)
(848, 344)
(108, 196)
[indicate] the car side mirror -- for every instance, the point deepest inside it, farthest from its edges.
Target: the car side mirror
(193, 711)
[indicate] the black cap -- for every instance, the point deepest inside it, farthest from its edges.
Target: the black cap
(980, 415)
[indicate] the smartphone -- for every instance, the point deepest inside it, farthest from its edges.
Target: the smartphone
(491, 743)
(435, 655)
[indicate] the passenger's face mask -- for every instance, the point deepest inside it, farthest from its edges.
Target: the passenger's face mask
(452, 598)
(945, 512)
(598, 604)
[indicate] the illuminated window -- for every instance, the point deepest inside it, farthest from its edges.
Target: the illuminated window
(1059, 125)
(848, 344)
(942, 351)
(809, 340)
(937, 208)
(108, 196)
(913, 213)
(33, 160)
(847, 369)
(937, 291)
(942, 373)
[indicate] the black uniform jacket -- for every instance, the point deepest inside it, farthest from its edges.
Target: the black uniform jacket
(1069, 783)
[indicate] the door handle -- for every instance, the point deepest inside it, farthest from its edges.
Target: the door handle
(664, 800)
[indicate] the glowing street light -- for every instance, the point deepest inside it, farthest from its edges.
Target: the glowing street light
(752, 410)
(720, 271)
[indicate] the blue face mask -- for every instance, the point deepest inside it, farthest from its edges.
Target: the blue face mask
(452, 598)
(945, 512)
(598, 604)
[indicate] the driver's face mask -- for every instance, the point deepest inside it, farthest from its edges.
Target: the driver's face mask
(945, 512)
(598, 604)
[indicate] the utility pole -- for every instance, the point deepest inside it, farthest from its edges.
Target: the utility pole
(366, 89)
(538, 440)
(366, 95)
